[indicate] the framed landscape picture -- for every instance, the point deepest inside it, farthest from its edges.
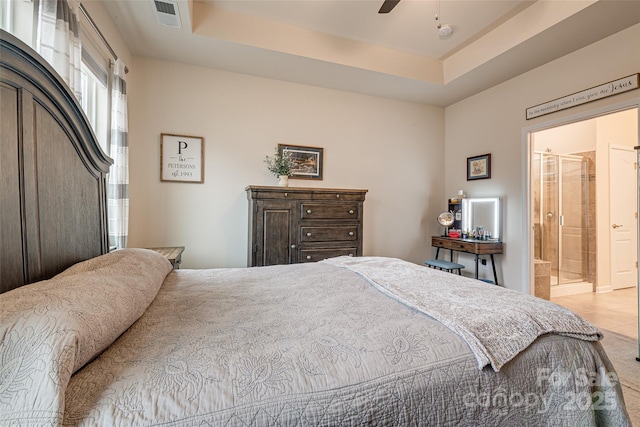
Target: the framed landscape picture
(479, 167)
(308, 160)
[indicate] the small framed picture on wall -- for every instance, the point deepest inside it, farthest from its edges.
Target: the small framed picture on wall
(181, 158)
(308, 160)
(479, 167)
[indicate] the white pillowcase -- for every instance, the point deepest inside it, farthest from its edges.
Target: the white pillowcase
(50, 329)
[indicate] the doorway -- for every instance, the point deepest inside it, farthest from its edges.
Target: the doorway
(574, 174)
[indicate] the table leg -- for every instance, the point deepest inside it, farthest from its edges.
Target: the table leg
(437, 252)
(476, 273)
(495, 276)
(451, 255)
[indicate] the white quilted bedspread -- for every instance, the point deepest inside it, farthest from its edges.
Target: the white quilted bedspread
(496, 323)
(299, 345)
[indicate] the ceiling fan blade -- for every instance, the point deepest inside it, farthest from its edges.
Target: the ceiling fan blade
(388, 5)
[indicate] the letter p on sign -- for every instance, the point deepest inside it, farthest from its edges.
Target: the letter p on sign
(182, 145)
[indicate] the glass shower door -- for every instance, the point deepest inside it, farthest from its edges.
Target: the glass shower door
(550, 216)
(573, 221)
(562, 222)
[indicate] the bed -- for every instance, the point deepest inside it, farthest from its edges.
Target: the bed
(92, 337)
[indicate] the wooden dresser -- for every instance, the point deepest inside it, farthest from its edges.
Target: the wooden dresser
(290, 225)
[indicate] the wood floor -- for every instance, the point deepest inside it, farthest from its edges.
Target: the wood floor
(616, 311)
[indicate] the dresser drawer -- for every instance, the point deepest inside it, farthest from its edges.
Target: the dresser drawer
(337, 196)
(313, 255)
(329, 234)
(280, 195)
(329, 211)
(448, 244)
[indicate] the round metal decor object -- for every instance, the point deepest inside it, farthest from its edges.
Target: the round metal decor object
(445, 219)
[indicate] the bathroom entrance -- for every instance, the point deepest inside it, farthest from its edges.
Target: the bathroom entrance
(575, 193)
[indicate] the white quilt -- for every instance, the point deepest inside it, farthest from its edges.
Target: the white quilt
(307, 344)
(496, 323)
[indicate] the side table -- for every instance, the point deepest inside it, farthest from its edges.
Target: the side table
(472, 246)
(172, 253)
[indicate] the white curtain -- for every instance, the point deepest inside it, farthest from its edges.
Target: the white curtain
(58, 40)
(118, 192)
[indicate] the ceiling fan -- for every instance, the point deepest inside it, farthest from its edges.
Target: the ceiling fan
(388, 5)
(443, 29)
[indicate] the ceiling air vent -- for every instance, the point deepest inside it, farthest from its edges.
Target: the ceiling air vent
(167, 13)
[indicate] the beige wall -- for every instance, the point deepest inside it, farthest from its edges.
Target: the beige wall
(395, 149)
(392, 148)
(494, 122)
(568, 139)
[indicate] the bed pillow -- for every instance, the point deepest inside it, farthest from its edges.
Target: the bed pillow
(50, 329)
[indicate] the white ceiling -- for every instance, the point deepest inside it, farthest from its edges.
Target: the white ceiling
(347, 45)
(409, 27)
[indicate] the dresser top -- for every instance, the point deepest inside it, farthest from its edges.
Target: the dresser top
(279, 189)
(304, 193)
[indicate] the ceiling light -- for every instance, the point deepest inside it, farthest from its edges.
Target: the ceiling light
(444, 30)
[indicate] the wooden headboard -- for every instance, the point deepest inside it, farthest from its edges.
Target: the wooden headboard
(53, 206)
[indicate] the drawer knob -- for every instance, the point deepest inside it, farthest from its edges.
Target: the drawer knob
(351, 233)
(308, 234)
(308, 211)
(286, 194)
(337, 196)
(350, 254)
(308, 256)
(293, 246)
(351, 211)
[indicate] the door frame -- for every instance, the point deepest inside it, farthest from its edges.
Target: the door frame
(527, 274)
